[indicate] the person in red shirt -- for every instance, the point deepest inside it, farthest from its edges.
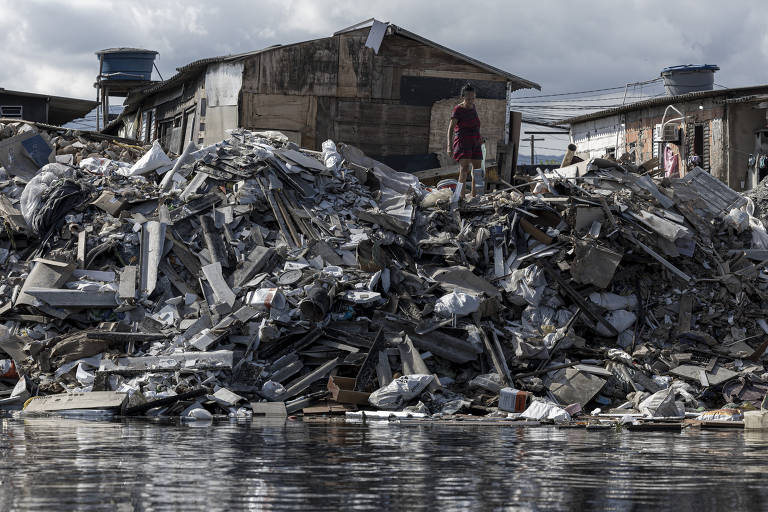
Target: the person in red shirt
(464, 141)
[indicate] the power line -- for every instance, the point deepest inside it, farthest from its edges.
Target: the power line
(585, 92)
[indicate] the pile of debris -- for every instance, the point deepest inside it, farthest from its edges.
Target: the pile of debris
(256, 277)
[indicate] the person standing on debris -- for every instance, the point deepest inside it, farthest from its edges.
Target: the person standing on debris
(464, 141)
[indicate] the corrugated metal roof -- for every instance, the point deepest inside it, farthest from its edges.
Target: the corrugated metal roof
(665, 100)
(61, 109)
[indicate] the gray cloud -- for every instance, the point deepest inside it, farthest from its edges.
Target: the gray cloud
(48, 46)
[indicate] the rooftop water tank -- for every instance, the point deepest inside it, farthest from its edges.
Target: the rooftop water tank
(126, 63)
(689, 78)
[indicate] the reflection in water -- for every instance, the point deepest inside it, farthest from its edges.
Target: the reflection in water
(67, 464)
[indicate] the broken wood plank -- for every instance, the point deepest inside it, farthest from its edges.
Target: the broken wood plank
(684, 316)
(500, 353)
(81, 243)
(278, 215)
(679, 273)
(383, 370)
(366, 375)
(535, 232)
(501, 368)
(307, 380)
(579, 300)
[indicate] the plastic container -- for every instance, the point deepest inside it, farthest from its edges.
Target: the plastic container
(451, 184)
(689, 78)
(479, 175)
(513, 400)
(266, 299)
(126, 63)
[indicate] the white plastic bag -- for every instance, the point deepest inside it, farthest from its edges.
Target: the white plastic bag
(396, 393)
(331, 157)
(103, 165)
(272, 390)
(152, 159)
(621, 320)
(540, 410)
(759, 235)
(612, 301)
(738, 219)
(457, 303)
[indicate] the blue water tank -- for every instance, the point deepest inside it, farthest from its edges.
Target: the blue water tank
(689, 78)
(126, 63)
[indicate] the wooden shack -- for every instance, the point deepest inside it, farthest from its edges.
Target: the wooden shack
(374, 85)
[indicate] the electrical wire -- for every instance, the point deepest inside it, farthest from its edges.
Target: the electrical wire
(585, 92)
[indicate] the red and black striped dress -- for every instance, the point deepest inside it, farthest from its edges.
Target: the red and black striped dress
(466, 134)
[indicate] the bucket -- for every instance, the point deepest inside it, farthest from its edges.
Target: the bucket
(479, 175)
(316, 305)
(451, 184)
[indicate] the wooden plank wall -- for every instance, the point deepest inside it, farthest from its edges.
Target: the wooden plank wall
(309, 68)
(281, 112)
(335, 88)
(383, 128)
(400, 56)
(355, 67)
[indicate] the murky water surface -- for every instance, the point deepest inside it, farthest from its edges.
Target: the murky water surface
(64, 464)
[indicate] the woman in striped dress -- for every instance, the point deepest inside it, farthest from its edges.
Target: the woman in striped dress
(464, 141)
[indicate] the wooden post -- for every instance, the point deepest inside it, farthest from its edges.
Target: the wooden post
(533, 152)
(105, 104)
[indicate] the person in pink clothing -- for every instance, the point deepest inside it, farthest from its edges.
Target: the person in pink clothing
(464, 141)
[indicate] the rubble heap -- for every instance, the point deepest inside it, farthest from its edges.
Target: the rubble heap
(253, 275)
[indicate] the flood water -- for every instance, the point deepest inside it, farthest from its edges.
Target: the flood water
(65, 464)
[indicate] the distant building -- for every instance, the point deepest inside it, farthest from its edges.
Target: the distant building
(42, 108)
(726, 128)
(374, 85)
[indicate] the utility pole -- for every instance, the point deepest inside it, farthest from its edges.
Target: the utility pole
(533, 153)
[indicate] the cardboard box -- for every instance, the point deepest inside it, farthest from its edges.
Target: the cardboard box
(343, 391)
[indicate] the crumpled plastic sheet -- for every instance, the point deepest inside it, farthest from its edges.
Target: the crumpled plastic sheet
(528, 283)
(621, 320)
(457, 303)
(49, 195)
(103, 166)
(613, 301)
(662, 404)
(331, 157)
(152, 159)
(540, 410)
(396, 393)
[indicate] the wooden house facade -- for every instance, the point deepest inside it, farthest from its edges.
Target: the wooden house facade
(381, 88)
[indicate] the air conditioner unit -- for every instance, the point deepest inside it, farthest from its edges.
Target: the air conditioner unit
(669, 133)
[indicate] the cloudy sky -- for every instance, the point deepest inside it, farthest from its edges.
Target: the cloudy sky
(48, 46)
